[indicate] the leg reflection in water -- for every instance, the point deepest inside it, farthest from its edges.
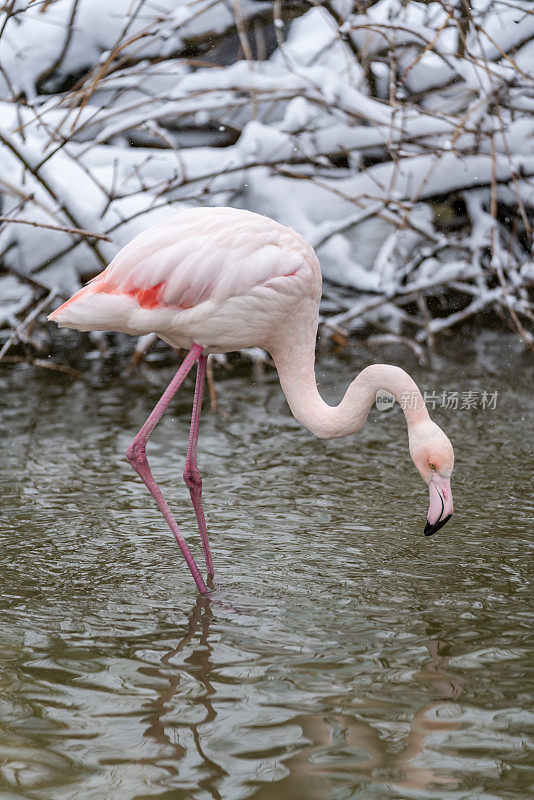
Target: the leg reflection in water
(196, 639)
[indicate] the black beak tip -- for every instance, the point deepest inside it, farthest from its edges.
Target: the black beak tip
(430, 529)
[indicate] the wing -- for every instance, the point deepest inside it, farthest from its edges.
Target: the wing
(202, 254)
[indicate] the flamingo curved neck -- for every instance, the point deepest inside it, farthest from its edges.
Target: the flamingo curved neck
(296, 371)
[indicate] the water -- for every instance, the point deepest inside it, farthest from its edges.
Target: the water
(345, 656)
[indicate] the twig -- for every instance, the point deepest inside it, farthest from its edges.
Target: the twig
(211, 385)
(10, 144)
(27, 320)
(43, 364)
(48, 71)
(390, 338)
(64, 228)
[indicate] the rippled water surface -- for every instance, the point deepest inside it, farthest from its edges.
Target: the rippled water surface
(343, 655)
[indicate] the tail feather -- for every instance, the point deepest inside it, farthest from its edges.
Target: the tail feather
(61, 312)
(91, 309)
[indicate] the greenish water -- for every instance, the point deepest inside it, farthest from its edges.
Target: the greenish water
(345, 656)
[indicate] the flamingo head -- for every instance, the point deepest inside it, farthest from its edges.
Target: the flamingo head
(432, 454)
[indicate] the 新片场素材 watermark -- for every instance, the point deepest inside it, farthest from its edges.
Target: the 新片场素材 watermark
(449, 400)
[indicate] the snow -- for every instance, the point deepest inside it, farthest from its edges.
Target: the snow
(32, 40)
(351, 133)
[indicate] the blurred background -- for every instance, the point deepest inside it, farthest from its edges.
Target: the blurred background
(342, 655)
(397, 137)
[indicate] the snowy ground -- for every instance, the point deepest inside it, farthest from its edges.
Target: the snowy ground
(398, 140)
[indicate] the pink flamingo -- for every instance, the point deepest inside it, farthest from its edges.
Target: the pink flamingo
(213, 280)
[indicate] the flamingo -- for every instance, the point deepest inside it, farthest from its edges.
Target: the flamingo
(214, 280)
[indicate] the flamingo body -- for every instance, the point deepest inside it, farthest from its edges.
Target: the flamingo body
(221, 279)
(224, 278)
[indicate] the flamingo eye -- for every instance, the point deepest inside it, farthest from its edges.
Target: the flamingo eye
(432, 466)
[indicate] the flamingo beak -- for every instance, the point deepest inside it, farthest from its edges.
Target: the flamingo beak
(441, 507)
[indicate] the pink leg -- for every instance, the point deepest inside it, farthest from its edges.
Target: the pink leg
(136, 455)
(192, 476)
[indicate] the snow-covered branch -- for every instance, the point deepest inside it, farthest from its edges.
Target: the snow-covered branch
(398, 138)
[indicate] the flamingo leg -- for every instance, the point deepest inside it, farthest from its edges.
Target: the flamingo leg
(136, 455)
(192, 476)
